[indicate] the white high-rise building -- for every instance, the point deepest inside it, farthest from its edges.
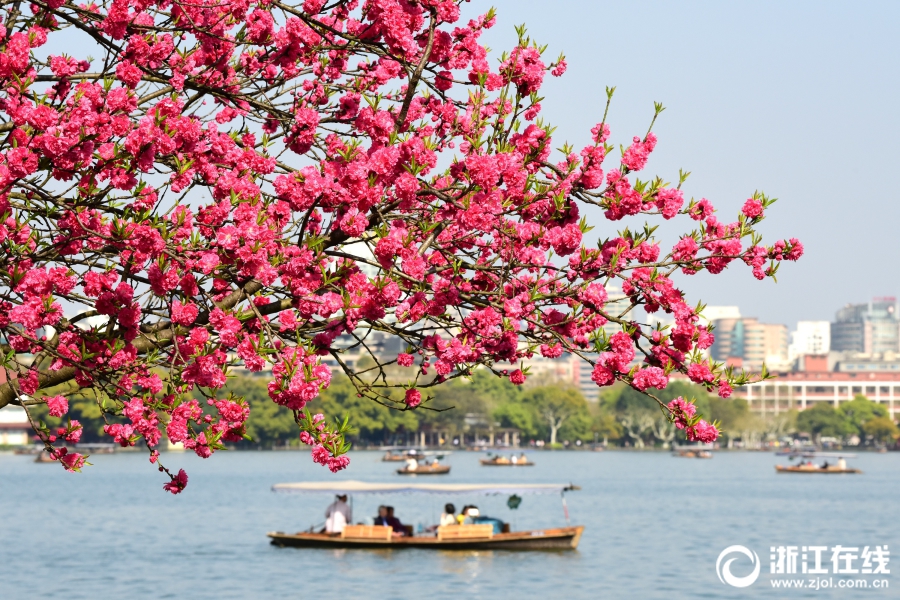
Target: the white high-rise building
(616, 303)
(811, 337)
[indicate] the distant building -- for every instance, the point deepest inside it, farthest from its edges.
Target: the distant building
(589, 389)
(869, 328)
(565, 369)
(709, 316)
(810, 337)
(568, 369)
(859, 362)
(812, 363)
(748, 343)
(363, 347)
(14, 427)
(800, 391)
(616, 303)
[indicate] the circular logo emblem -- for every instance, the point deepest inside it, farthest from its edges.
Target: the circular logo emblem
(723, 570)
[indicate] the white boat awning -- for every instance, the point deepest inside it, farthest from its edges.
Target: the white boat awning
(480, 489)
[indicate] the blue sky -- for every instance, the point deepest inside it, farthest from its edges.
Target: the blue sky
(793, 98)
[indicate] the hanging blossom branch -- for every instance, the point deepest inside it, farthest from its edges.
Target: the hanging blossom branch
(217, 183)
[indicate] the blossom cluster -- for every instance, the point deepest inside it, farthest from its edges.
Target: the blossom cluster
(261, 185)
(328, 447)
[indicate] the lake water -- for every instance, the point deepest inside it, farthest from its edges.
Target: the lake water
(654, 527)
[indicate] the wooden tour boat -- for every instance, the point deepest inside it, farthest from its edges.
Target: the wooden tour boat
(394, 456)
(44, 457)
(830, 470)
(450, 537)
(417, 468)
(694, 453)
(502, 461)
(468, 537)
(28, 450)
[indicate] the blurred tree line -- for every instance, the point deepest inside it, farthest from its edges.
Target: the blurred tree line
(549, 411)
(860, 418)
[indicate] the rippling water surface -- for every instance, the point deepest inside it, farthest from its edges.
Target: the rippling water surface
(654, 526)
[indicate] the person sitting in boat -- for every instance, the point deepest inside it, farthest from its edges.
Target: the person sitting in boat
(448, 517)
(411, 464)
(338, 514)
(842, 464)
(514, 459)
(386, 517)
(523, 459)
(825, 465)
(394, 522)
(467, 515)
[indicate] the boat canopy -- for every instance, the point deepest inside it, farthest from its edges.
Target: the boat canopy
(825, 454)
(481, 489)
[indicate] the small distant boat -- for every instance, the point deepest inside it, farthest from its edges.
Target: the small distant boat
(393, 456)
(44, 457)
(503, 461)
(694, 453)
(434, 468)
(829, 470)
(691, 452)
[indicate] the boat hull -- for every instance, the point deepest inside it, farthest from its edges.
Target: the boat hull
(563, 538)
(490, 463)
(816, 470)
(425, 471)
(692, 454)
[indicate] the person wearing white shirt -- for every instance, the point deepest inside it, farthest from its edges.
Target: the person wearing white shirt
(337, 515)
(448, 517)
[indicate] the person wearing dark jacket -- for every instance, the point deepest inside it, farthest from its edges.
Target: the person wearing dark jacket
(386, 517)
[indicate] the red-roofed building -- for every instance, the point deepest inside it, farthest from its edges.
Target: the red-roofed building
(802, 389)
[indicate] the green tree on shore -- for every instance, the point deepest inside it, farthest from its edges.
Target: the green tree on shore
(860, 411)
(881, 429)
(823, 420)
